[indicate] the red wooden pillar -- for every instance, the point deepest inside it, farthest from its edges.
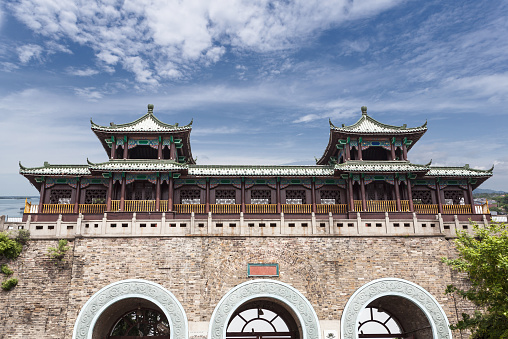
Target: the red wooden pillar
(110, 194)
(313, 192)
(392, 149)
(207, 202)
(78, 193)
(404, 151)
(172, 151)
(409, 195)
(351, 199)
(360, 150)
(159, 149)
(113, 147)
(122, 195)
(438, 196)
(158, 194)
(278, 196)
(470, 197)
(125, 147)
(397, 195)
(348, 151)
(43, 193)
(364, 200)
(243, 195)
(170, 196)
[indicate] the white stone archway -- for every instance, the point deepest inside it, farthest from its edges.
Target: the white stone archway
(265, 289)
(127, 289)
(394, 287)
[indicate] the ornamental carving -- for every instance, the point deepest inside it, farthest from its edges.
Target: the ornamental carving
(264, 289)
(423, 197)
(60, 196)
(393, 286)
(133, 288)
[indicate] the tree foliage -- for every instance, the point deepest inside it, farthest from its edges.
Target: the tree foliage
(9, 248)
(483, 257)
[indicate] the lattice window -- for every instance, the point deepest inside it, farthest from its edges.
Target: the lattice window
(260, 197)
(295, 197)
(454, 196)
(138, 194)
(330, 197)
(192, 197)
(422, 197)
(225, 197)
(60, 196)
(95, 196)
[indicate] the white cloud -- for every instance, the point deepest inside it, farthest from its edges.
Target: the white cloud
(89, 93)
(146, 37)
(86, 72)
(29, 52)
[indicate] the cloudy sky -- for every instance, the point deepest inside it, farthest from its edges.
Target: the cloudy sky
(260, 78)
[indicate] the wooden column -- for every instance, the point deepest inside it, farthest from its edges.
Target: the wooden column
(41, 199)
(470, 197)
(410, 195)
(78, 193)
(242, 198)
(392, 149)
(313, 197)
(438, 196)
(360, 150)
(159, 149)
(113, 148)
(207, 202)
(348, 151)
(172, 151)
(110, 194)
(278, 196)
(170, 196)
(351, 198)
(364, 200)
(397, 194)
(125, 147)
(158, 194)
(404, 151)
(122, 195)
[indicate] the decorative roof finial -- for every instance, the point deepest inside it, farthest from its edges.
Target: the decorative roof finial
(364, 110)
(150, 108)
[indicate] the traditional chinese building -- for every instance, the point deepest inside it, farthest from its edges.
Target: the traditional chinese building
(165, 247)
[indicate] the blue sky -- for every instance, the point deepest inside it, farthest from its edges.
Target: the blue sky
(260, 78)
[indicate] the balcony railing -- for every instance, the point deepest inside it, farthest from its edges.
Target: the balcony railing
(297, 208)
(149, 206)
(184, 208)
(261, 208)
(92, 208)
(336, 209)
(225, 208)
(57, 208)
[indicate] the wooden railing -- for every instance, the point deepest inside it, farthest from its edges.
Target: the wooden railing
(139, 206)
(115, 205)
(297, 208)
(30, 208)
(57, 208)
(92, 208)
(189, 208)
(358, 206)
(163, 206)
(425, 208)
(456, 209)
(381, 206)
(404, 206)
(261, 208)
(225, 208)
(335, 209)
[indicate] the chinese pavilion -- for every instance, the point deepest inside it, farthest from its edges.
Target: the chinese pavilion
(364, 168)
(163, 247)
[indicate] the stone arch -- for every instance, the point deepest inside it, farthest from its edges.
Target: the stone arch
(131, 289)
(394, 287)
(268, 289)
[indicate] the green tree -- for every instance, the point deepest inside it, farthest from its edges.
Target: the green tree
(483, 257)
(9, 248)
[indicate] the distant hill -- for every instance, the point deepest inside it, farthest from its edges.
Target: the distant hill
(485, 190)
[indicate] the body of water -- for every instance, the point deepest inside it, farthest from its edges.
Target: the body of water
(13, 206)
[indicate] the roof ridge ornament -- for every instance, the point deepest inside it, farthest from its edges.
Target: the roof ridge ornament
(364, 110)
(491, 169)
(150, 108)
(429, 163)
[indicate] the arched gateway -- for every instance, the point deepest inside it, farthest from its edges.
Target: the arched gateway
(132, 308)
(264, 308)
(396, 307)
